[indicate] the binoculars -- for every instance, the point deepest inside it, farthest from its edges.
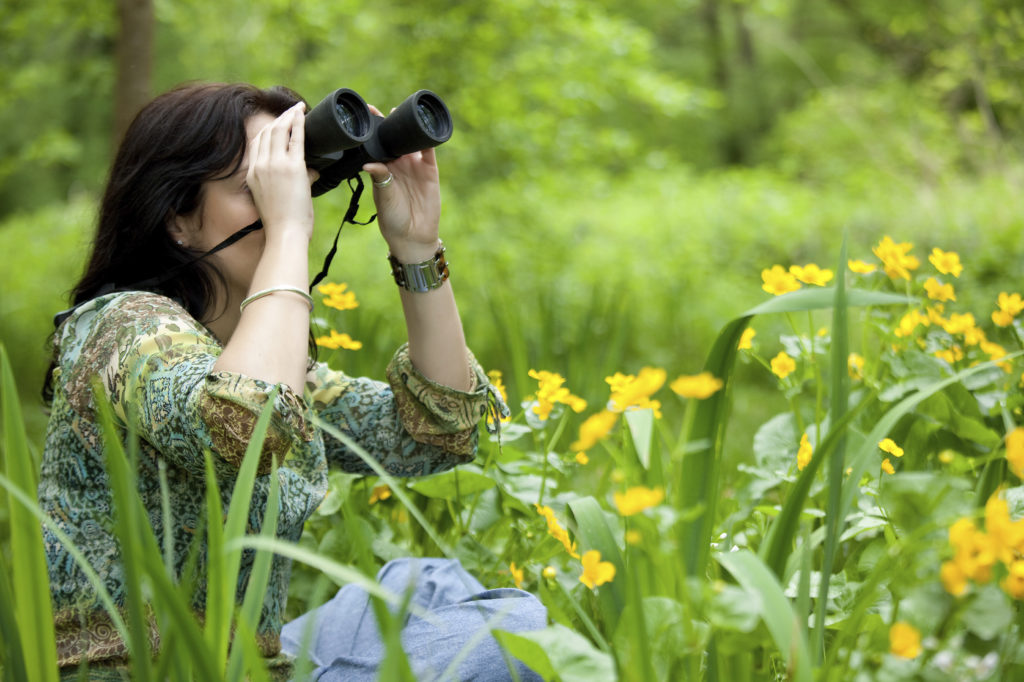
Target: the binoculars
(342, 133)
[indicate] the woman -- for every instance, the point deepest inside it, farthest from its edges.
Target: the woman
(188, 351)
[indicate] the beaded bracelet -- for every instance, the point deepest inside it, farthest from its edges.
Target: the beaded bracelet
(271, 290)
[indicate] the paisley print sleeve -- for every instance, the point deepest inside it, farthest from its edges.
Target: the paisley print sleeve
(156, 365)
(410, 425)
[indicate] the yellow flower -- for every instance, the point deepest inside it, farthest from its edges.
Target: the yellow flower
(379, 494)
(778, 281)
(855, 366)
(953, 579)
(811, 274)
(959, 324)
(1002, 318)
(517, 574)
(804, 453)
(887, 466)
(1013, 583)
(909, 322)
(937, 291)
(549, 573)
(904, 640)
(1010, 303)
(582, 459)
(555, 529)
(896, 258)
(699, 386)
(888, 445)
(1015, 451)
(336, 340)
(629, 391)
(634, 537)
(951, 355)
(637, 499)
(860, 267)
(947, 456)
(974, 553)
(551, 391)
(783, 365)
(996, 353)
(746, 340)
(336, 296)
(595, 571)
(593, 429)
(946, 262)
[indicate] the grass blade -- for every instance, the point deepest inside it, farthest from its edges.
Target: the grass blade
(593, 532)
(834, 473)
(33, 609)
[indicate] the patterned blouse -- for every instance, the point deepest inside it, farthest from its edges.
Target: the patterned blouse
(155, 363)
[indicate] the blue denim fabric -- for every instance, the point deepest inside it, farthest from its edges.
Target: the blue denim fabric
(346, 644)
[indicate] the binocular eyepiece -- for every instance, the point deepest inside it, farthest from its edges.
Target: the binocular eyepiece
(342, 134)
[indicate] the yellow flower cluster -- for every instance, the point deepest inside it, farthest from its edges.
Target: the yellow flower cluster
(778, 280)
(551, 392)
(635, 391)
(336, 296)
(896, 259)
(556, 530)
(637, 499)
(595, 571)
(336, 340)
(1010, 306)
(976, 552)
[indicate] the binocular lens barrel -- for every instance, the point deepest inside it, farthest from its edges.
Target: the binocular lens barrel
(342, 134)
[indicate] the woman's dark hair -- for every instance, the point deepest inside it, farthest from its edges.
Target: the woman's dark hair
(183, 138)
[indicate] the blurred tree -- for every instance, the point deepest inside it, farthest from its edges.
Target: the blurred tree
(134, 61)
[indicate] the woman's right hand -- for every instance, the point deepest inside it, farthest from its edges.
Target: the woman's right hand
(278, 179)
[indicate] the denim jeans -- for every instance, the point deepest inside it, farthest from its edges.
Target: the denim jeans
(345, 643)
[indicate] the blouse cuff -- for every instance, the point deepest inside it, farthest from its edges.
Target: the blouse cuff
(434, 413)
(232, 404)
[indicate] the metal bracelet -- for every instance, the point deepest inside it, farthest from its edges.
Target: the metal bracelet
(421, 277)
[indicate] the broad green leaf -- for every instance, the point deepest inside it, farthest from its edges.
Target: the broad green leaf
(593, 531)
(989, 613)
(453, 484)
(789, 635)
(558, 653)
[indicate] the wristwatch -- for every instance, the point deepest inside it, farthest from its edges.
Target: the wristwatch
(420, 277)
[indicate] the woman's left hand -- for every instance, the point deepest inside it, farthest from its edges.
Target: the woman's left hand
(409, 207)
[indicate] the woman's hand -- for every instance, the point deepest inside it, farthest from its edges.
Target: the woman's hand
(409, 208)
(278, 179)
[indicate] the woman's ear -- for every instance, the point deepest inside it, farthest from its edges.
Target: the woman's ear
(180, 229)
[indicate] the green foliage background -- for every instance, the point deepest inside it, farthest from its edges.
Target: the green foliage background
(619, 174)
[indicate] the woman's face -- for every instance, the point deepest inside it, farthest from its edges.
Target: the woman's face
(226, 206)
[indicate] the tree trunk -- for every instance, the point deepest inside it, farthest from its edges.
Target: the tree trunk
(134, 61)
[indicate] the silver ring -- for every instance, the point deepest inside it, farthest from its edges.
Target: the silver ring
(385, 182)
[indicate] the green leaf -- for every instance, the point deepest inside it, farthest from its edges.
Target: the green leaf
(594, 531)
(558, 653)
(989, 613)
(789, 635)
(641, 426)
(453, 484)
(664, 628)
